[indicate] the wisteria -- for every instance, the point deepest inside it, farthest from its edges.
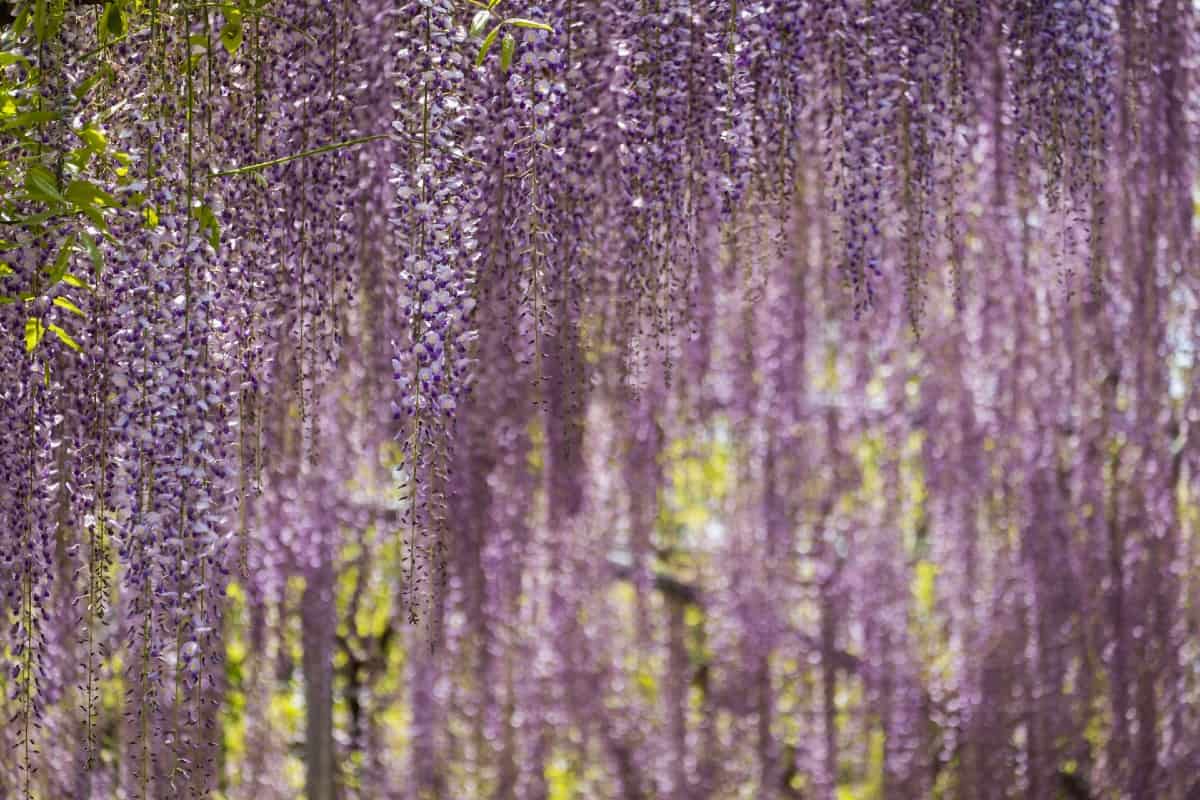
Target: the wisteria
(630, 399)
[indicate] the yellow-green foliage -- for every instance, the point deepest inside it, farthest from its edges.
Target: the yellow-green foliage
(233, 725)
(561, 780)
(870, 786)
(697, 474)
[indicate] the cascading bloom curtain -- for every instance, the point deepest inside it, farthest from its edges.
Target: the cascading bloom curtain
(670, 399)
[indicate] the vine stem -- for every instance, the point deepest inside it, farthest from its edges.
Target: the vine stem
(328, 148)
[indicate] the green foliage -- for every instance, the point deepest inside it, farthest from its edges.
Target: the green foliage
(34, 332)
(112, 22)
(64, 337)
(479, 22)
(63, 302)
(97, 260)
(41, 184)
(209, 226)
(698, 473)
(507, 48)
(58, 172)
(231, 33)
(59, 270)
(562, 780)
(94, 138)
(508, 45)
(488, 41)
(870, 786)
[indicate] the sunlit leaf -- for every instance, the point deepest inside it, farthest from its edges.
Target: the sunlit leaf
(113, 20)
(488, 41)
(87, 194)
(479, 22)
(93, 252)
(65, 337)
(208, 224)
(521, 22)
(232, 31)
(59, 270)
(507, 48)
(94, 138)
(41, 184)
(63, 302)
(34, 331)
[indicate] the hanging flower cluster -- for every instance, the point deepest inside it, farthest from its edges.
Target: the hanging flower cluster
(711, 379)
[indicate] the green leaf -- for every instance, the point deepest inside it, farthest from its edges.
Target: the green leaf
(24, 16)
(96, 255)
(208, 224)
(113, 20)
(47, 18)
(488, 41)
(59, 270)
(94, 139)
(231, 34)
(33, 219)
(65, 338)
(95, 215)
(8, 57)
(82, 89)
(521, 22)
(28, 119)
(479, 22)
(72, 280)
(79, 157)
(39, 20)
(87, 194)
(507, 48)
(41, 184)
(34, 331)
(63, 302)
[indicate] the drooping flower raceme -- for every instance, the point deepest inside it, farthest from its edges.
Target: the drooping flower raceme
(711, 379)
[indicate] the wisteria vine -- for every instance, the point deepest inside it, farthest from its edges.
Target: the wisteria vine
(621, 399)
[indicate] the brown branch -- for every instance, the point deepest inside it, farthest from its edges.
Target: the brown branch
(670, 586)
(690, 594)
(1074, 785)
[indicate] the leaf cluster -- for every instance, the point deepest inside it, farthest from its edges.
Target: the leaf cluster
(508, 45)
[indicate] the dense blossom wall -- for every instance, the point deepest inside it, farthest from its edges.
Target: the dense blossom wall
(626, 399)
